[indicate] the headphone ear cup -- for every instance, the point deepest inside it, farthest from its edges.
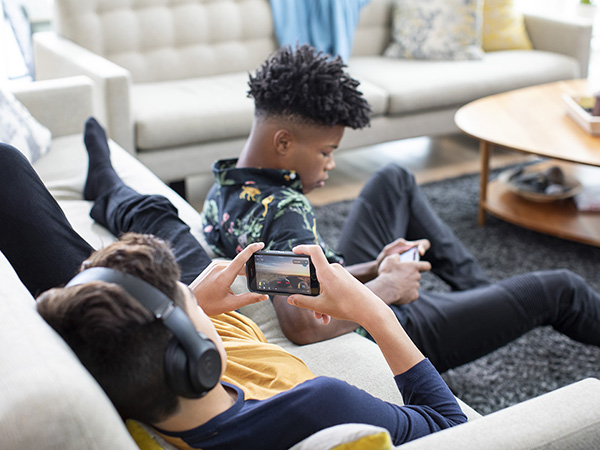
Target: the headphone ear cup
(192, 379)
(176, 369)
(208, 369)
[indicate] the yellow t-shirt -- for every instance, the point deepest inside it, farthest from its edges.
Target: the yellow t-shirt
(260, 369)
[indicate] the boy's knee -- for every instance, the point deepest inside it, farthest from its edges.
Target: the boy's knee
(396, 177)
(566, 288)
(562, 278)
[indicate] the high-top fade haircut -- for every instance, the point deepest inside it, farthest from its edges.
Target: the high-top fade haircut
(308, 86)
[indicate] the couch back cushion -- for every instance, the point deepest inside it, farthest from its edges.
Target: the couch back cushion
(373, 32)
(158, 40)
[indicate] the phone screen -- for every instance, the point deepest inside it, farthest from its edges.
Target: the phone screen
(281, 273)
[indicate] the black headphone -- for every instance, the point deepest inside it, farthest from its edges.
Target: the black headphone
(192, 361)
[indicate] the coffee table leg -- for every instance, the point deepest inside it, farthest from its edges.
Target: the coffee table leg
(484, 150)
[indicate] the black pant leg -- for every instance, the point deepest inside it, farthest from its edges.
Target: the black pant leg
(35, 235)
(458, 327)
(390, 206)
(124, 210)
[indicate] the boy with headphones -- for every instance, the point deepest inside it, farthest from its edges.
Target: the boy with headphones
(47, 252)
(127, 316)
(160, 359)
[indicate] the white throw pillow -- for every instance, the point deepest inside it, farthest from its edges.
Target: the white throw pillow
(20, 129)
(436, 29)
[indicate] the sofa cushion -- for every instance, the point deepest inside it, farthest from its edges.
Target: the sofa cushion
(436, 29)
(373, 32)
(416, 86)
(185, 112)
(182, 112)
(378, 98)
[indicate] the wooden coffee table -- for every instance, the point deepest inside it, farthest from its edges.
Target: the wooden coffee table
(533, 120)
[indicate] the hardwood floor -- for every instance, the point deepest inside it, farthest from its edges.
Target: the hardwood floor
(428, 158)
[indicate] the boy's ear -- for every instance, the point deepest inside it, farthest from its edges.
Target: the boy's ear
(282, 141)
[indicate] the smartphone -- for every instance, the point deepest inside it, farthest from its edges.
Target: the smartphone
(281, 273)
(412, 254)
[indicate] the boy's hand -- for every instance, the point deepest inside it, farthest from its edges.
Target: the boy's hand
(398, 282)
(401, 245)
(212, 287)
(342, 296)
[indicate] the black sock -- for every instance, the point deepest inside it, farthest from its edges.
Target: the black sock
(101, 176)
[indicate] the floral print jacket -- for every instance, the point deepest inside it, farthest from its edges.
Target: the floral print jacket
(249, 205)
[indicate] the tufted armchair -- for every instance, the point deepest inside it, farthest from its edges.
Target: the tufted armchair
(170, 74)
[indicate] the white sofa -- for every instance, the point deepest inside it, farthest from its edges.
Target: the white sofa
(171, 76)
(48, 400)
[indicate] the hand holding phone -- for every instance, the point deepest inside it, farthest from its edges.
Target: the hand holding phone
(401, 246)
(412, 254)
(342, 295)
(345, 298)
(212, 288)
(281, 273)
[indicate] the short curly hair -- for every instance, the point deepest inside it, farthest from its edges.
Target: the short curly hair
(307, 85)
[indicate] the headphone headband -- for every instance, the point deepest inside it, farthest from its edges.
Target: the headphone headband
(147, 295)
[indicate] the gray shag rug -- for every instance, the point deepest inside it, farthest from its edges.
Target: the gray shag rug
(539, 361)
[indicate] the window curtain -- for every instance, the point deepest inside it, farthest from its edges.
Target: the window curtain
(327, 25)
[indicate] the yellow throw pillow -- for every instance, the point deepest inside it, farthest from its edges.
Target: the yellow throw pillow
(142, 436)
(377, 441)
(348, 436)
(503, 27)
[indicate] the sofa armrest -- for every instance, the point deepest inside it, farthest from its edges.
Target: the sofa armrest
(568, 417)
(49, 400)
(571, 37)
(61, 105)
(57, 57)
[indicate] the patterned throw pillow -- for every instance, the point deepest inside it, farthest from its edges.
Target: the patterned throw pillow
(436, 29)
(20, 129)
(503, 27)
